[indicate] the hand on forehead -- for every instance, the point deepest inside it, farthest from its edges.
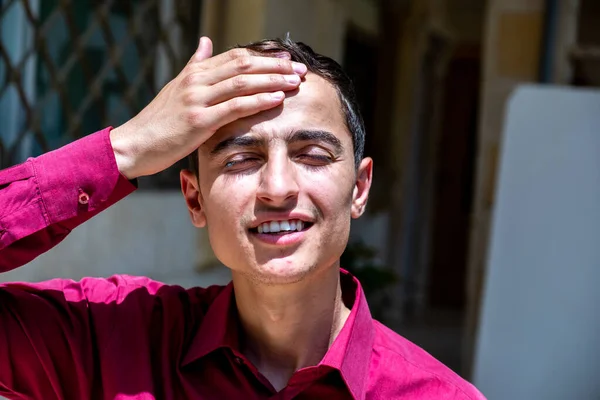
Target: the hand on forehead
(314, 105)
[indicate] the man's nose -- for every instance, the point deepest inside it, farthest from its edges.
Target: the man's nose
(278, 182)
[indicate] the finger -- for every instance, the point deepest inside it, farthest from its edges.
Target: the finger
(255, 65)
(240, 107)
(225, 57)
(244, 85)
(204, 50)
(234, 54)
(283, 54)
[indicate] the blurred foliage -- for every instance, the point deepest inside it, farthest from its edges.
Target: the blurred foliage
(376, 278)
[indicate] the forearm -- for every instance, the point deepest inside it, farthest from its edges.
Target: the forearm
(42, 200)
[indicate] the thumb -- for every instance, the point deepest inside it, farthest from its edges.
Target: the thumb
(204, 50)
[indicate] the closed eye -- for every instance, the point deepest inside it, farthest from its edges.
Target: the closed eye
(239, 162)
(315, 156)
(315, 159)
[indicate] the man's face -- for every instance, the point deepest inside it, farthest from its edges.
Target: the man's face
(277, 190)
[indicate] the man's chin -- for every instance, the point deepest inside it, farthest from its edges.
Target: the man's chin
(285, 270)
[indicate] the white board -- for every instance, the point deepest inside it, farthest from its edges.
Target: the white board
(539, 334)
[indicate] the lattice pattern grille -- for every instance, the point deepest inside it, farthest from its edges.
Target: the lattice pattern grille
(71, 67)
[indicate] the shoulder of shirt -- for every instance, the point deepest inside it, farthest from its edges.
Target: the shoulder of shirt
(207, 293)
(122, 285)
(408, 357)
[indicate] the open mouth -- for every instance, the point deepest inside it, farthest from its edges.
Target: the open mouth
(281, 227)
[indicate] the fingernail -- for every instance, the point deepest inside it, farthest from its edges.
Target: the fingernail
(293, 79)
(299, 68)
(277, 95)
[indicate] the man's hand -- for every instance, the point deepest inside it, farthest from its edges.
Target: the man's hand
(209, 93)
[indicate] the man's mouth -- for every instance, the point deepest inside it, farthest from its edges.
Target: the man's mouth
(281, 227)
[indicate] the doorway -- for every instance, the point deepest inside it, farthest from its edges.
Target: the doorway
(454, 178)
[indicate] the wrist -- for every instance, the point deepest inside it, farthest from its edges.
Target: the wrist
(123, 151)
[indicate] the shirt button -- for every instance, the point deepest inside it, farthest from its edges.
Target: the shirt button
(84, 198)
(238, 360)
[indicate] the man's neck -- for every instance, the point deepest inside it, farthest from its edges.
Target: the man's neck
(288, 327)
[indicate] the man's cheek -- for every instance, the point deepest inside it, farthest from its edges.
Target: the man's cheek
(223, 222)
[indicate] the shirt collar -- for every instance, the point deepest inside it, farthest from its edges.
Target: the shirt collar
(219, 327)
(350, 352)
(352, 348)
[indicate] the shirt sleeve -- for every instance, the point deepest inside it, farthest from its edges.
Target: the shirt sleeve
(98, 338)
(43, 199)
(62, 339)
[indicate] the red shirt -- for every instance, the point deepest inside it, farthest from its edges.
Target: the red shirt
(133, 338)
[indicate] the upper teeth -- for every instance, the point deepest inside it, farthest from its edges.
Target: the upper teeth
(278, 226)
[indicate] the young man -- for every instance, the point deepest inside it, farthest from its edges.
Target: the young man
(276, 179)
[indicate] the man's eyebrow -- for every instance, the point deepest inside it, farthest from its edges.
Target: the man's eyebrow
(236, 141)
(298, 136)
(317, 136)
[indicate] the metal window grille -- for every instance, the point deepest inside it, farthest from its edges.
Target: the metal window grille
(71, 67)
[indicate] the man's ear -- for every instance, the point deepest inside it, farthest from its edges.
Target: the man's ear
(193, 197)
(360, 194)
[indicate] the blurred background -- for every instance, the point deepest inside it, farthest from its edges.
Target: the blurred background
(434, 78)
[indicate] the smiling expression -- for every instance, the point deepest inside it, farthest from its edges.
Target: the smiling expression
(277, 190)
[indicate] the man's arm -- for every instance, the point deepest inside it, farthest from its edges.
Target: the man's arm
(43, 199)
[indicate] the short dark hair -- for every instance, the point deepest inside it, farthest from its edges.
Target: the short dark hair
(326, 68)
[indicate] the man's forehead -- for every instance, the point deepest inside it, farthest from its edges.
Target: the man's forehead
(315, 105)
